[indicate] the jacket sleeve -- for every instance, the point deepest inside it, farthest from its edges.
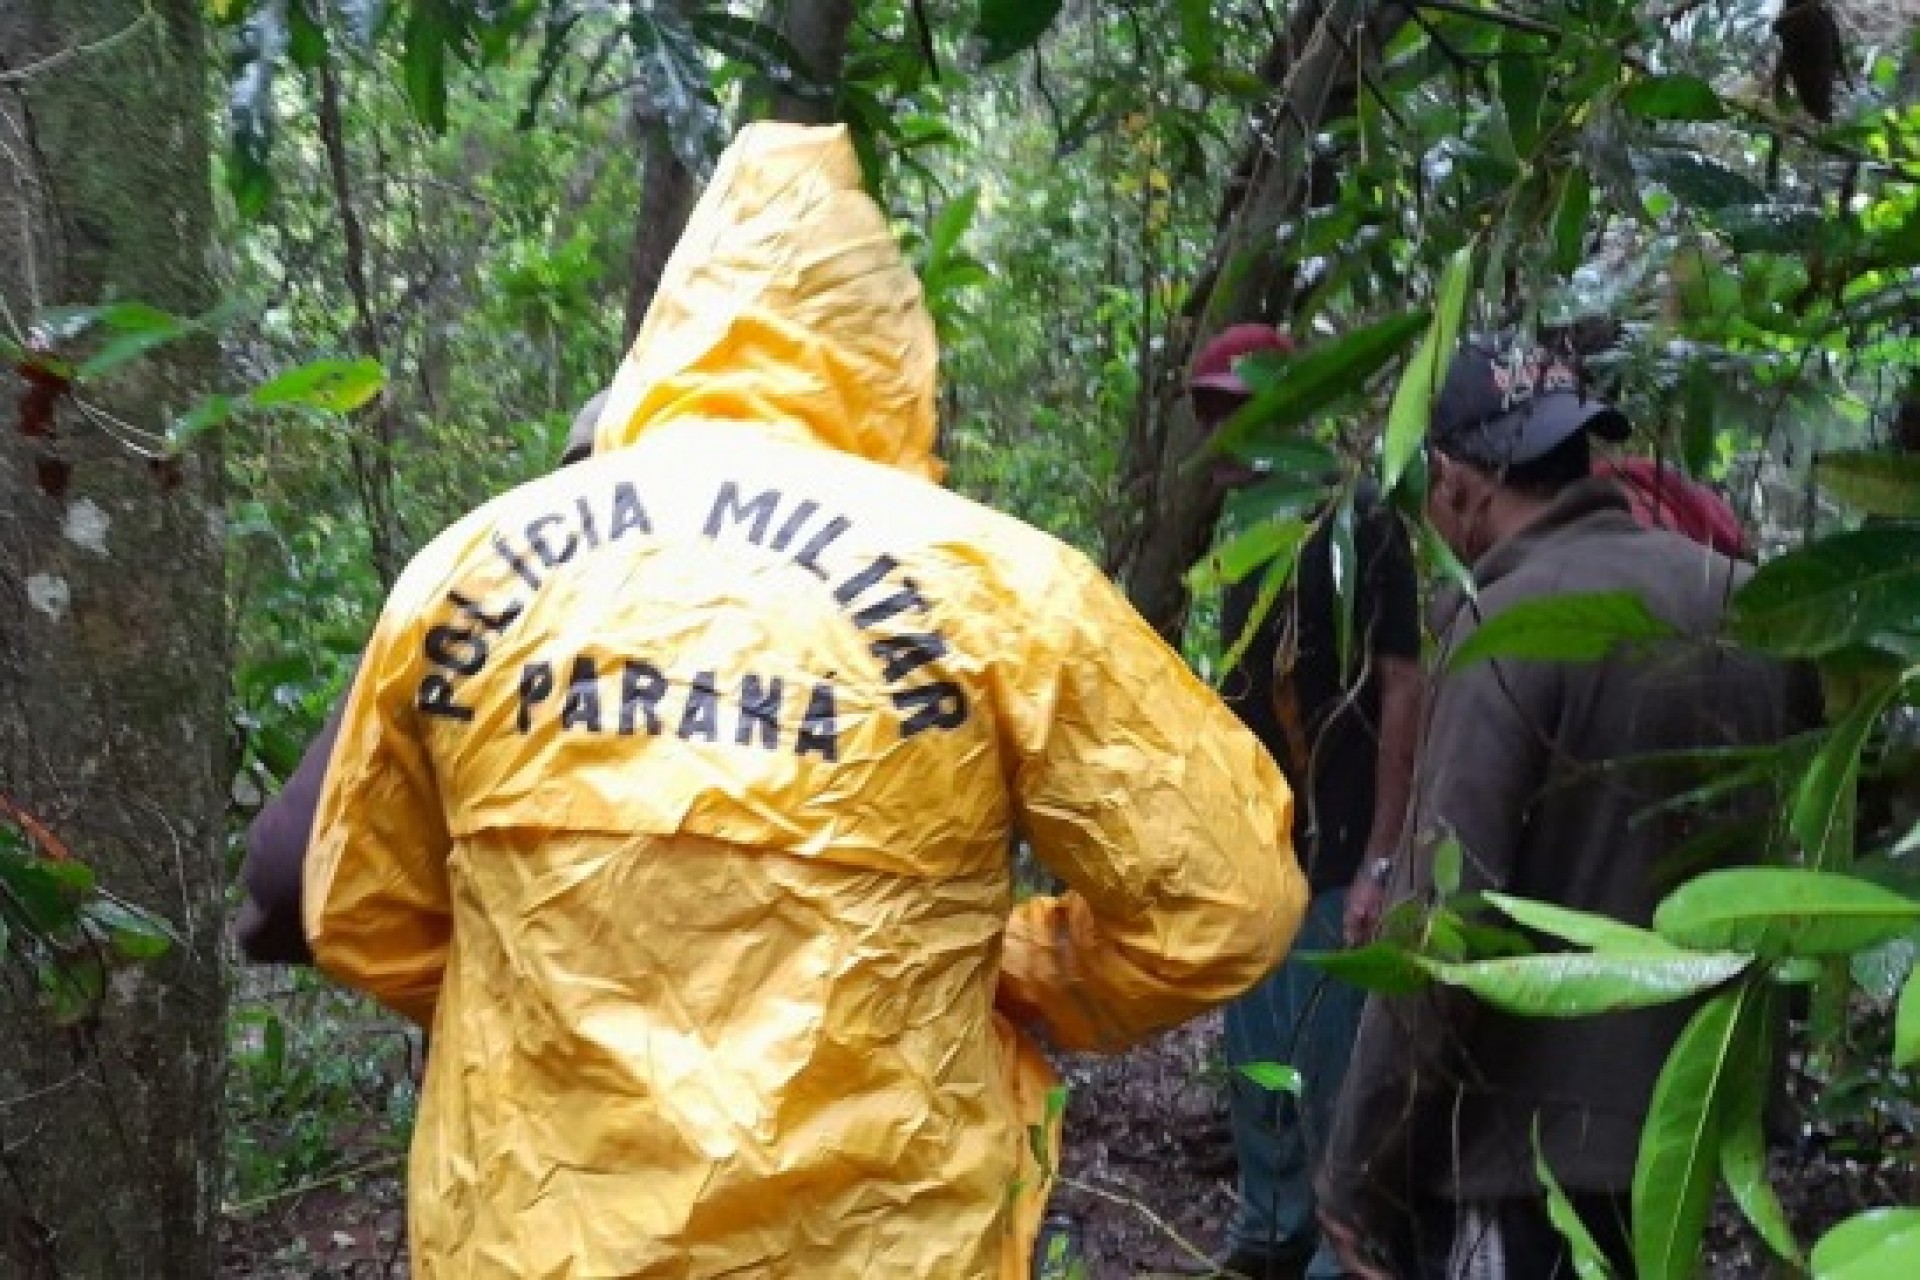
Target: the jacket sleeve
(378, 908)
(269, 928)
(1480, 766)
(1168, 822)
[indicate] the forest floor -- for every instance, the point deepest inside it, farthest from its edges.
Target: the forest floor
(1147, 1180)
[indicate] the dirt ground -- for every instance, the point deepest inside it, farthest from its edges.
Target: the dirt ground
(1146, 1175)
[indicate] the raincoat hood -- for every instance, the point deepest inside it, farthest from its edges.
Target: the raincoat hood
(787, 302)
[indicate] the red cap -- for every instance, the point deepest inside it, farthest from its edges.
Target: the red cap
(1213, 367)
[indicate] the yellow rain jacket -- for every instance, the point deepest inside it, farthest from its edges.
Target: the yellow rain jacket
(677, 795)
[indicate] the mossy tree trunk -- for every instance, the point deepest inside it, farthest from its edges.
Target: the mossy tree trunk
(113, 641)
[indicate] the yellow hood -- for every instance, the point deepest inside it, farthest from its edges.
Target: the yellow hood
(788, 303)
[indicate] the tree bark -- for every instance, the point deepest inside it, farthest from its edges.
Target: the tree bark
(113, 643)
(1168, 508)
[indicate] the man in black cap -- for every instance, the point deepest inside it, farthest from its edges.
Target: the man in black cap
(1430, 1172)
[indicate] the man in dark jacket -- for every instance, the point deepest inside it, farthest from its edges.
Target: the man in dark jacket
(1343, 734)
(1436, 1124)
(268, 927)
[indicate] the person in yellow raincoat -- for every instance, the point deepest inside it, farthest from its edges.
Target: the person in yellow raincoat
(676, 793)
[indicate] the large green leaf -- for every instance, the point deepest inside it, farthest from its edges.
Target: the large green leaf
(1570, 217)
(1582, 928)
(423, 61)
(1674, 97)
(1826, 797)
(1385, 967)
(1262, 544)
(1288, 390)
(1008, 27)
(1743, 1141)
(1877, 483)
(1577, 627)
(1779, 911)
(680, 87)
(1680, 1145)
(1522, 82)
(1880, 1244)
(337, 386)
(1427, 371)
(1581, 984)
(1906, 1024)
(1842, 591)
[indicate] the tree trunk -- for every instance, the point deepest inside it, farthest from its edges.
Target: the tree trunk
(1168, 508)
(113, 643)
(817, 30)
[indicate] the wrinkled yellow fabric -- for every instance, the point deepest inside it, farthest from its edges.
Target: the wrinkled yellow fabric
(677, 792)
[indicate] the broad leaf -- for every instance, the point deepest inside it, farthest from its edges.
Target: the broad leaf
(1779, 911)
(1880, 1244)
(1008, 27)
(1836, 593)
(337, 386)
(1578, 627)
(1262, 544)
(1413, 399)
(1570, 222)
(1876, 483)
(1589, 1263)
(1906, 1024)
(1523, 86)
(1675, 97)
(1581, 984)
(423, 61)
(949, 225)
(1581, 928)
(1743, 1141)
(1826, 798)
(1680, 1146)
(1199, 37)
(1273, 580)
(1385, 967)
(1288, 391)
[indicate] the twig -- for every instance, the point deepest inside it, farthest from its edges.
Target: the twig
(20, 75)
(381, 1165)
(1166, 1228)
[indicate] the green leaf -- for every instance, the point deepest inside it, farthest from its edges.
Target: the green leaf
(1198, 36)
(1581, 928)
(1295, 457)
(338, 386)
(1576, 627)
(1008, 27)
(1274, 1077)
(1674, 97)
(1880, 1244)
(1700, 394)
(1579, 984)
(1697, 181)
(140, 328)
(758, 46)
(1743, 1142)
(1447, 861)
(1385, 967)
(1523, 87)
(134, 934)
(1289, 390)
(1570, 222)
(209, 413)
(1836, 593)
(1413, 400)
(1680, 1146)
(949, 226)
(424, 62)
(1589, 1263)
(1262, 544)
(1778, 911)
(1826, 798)
(1773, 228)
(1875, 483)
(1906, 1024)
(1277, 498)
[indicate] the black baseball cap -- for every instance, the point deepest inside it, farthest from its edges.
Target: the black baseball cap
(1502, 407)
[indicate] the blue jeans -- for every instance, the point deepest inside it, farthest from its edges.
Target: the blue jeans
(1299, 1016)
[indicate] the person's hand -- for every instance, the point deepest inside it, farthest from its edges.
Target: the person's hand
(1345, 1241)
(1365, 901)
